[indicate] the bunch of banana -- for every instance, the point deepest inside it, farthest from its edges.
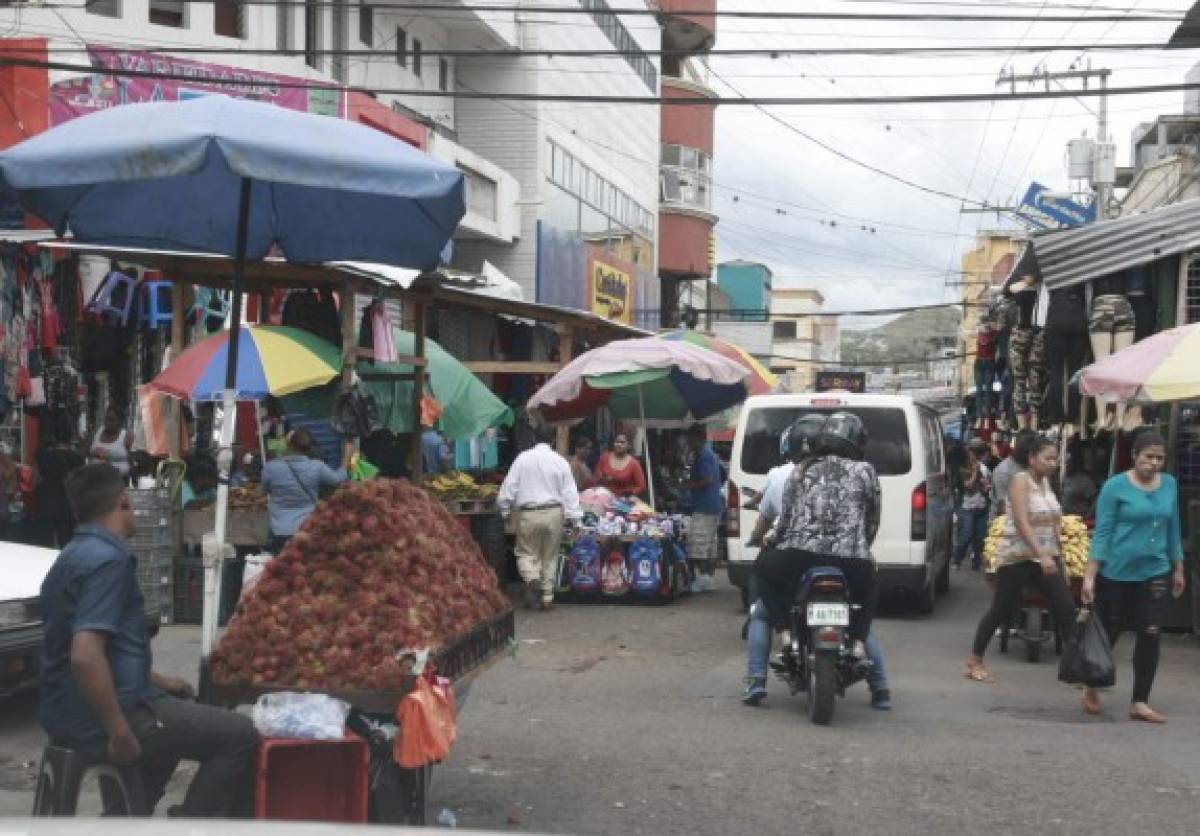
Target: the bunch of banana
(447, 486)
(1075, 544)
(991, 545)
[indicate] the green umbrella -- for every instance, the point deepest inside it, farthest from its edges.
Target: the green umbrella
(468, 406)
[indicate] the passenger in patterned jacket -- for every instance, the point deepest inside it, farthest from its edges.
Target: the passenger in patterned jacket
(830, 516)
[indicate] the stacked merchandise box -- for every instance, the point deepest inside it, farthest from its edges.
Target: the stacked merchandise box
(154, 545)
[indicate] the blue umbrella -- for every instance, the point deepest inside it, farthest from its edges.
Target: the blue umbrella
(168, 175)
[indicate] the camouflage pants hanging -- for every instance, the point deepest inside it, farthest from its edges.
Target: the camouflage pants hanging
(1027, 359)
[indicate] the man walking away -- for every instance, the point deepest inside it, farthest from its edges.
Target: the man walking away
(1004, 472)
(705, 488)
(540, 488)
(99, 693)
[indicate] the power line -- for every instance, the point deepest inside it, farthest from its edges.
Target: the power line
(634, 11)
(600, 52)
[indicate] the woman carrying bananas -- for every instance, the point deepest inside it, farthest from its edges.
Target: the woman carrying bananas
(1137, 556)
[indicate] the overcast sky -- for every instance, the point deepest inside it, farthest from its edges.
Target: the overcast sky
(987, 152)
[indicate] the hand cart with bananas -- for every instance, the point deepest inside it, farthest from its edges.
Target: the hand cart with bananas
(1032, 622)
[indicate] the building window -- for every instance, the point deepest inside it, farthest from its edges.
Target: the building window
(168, 13)
(312, 33)
(366, 23)
(401, 47)
(481, 194)
(597, 193)
(784, 330)
(443, 74)
(619, 36)
(229, 19)
(106, 8)
(686, 177)
(416, 56)
(283, 24)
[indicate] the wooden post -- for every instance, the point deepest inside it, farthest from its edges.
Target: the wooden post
(566, 353)
(419, 314)
(349, 337)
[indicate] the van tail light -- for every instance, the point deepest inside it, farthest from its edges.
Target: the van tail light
(920, 506)
(733, 514)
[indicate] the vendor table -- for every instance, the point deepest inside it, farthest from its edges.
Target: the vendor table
(398, 795)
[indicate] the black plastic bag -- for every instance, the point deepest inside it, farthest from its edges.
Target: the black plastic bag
(355, 413)
(1087, 659)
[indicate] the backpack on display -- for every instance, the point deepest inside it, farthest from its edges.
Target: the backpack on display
(646, 566)
(614, 575)
(585, 565)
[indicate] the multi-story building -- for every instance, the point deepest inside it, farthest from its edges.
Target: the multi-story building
(564, 200)
(685, 210)
(748, 285)
(803, 340)
(984, 268)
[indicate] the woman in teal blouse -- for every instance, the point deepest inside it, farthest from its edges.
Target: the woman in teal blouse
(1137, 556)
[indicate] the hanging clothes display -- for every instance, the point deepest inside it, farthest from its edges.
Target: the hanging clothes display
(1025, 347)
(1066, 347)
(985, 370)
(314, 312)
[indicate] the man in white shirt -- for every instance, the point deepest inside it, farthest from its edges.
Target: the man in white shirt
(540, 489)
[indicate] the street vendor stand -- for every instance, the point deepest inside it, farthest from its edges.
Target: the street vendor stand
(659, 383)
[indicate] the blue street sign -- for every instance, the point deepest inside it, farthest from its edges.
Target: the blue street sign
(1045, 211)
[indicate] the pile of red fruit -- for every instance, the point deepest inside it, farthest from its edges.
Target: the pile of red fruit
(378, 568)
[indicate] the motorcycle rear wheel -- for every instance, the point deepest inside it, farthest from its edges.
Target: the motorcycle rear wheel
(822, 689)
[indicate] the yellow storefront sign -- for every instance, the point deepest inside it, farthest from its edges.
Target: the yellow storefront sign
(612, 292)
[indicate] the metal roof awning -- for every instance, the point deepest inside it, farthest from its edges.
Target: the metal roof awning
(1074, 256)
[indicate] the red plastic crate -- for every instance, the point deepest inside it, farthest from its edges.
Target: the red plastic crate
(312, 780)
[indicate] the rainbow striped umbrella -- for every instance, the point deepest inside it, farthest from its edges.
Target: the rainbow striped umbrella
(760, 382)
(1159, 368)
(272, 360)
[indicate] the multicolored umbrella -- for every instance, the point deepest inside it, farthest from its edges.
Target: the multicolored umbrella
(662, 383)
(761, 380)
(1159, 368)
(271, 360)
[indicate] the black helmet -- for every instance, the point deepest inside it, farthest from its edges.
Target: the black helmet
(843, 434)
(800, 439)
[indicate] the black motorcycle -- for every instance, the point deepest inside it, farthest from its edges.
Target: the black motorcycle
(817, 656)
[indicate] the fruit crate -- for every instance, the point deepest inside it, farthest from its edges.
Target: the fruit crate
(187, 591)
(313, 780)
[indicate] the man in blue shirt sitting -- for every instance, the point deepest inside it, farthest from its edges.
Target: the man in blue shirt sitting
(99, 692)
(704, 487)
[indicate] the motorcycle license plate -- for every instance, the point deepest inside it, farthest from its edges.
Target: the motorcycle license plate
(828, 615)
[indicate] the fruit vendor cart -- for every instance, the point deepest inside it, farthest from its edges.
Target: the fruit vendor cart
(397, 795)
(1032, 622)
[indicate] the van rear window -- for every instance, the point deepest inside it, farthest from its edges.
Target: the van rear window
(888, 448)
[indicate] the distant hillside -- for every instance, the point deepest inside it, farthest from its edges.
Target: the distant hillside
(904, 338)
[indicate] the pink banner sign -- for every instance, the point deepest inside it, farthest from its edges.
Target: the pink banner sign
(188, 79)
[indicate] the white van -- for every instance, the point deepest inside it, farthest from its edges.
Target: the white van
(904, 443)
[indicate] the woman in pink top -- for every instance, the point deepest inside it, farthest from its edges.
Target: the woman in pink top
(620, 472)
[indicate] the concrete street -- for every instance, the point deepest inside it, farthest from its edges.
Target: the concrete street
(627, 720)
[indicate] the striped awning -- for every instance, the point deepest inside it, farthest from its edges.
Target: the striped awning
(1073, 256)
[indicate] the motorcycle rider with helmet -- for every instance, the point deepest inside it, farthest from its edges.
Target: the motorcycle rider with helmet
(829, 516)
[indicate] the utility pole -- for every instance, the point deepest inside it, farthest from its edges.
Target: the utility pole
(1105, 160)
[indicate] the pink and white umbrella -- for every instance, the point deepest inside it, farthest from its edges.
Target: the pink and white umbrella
(1163, 367)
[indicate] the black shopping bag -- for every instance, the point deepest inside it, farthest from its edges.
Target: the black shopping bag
(1087, 658)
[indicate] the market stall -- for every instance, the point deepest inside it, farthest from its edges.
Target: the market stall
(657, 383)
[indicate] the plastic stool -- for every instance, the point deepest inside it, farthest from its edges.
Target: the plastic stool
(114, 297)
(154, 304)
(61, 777)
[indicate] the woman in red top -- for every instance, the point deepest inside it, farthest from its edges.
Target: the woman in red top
(620, 472)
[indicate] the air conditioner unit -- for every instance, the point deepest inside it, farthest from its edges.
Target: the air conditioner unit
(670, 187)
